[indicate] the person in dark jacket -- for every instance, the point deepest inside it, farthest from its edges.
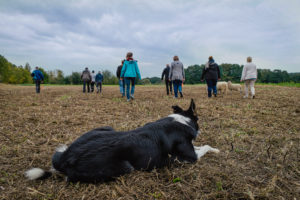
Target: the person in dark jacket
(99, 79)
(211, 74)
(165, 75)
(86, 79)
(38, 78)
(121, 82)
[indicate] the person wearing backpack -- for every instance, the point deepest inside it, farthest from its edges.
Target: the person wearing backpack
(211, 74)
(129, 72)
(38, 78)
(86, 79)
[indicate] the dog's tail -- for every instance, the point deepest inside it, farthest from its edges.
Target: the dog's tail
(40, 174)
(37, 174)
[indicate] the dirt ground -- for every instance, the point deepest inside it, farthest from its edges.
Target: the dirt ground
(259, 142)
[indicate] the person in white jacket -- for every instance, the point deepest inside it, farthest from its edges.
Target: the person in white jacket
(249, 75)
(93, 74)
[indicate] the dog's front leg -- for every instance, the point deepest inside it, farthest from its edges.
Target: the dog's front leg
(201, 151)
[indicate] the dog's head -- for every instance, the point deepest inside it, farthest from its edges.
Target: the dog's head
(189, 113)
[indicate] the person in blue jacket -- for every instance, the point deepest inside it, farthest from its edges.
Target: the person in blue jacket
(99, 79)
(38, 78)
(130, 71)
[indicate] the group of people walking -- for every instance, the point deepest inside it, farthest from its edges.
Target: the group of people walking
(90, 79)
(173, 75)
(211, 74)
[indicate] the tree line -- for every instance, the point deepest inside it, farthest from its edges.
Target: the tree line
(10, 73)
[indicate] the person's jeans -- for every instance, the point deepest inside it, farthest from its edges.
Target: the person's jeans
(250, 82)
(122, 87)
(211, 85)
(37, 86)
(86, 83)
(169, 86)
(92, 86)
(99, 87)
(127, 83)
(177, 84)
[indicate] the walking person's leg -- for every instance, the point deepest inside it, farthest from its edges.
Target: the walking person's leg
(167, 86)
(127, 83)
(246, 88)
(175, 85)
(132, 80)
(214, 87)
(88, 86)
(92, 86)
(36, 86)
(84, 84)
(100, 86)
(209, 87)
(97, 86)
(252, 82)
(180, 88)
(121, 87)
(170, 84)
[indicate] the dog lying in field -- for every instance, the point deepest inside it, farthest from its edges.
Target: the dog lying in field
(103, 153)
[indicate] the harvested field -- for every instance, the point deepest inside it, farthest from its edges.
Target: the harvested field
(259, 142)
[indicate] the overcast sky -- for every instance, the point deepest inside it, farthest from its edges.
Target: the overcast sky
(70, 35)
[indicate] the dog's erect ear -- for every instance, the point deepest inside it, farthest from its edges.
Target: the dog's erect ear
(192, 108)
(177, 109)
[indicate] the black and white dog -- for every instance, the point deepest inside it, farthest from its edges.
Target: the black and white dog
(103, 153)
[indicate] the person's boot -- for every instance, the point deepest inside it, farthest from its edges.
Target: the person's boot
(181, 94)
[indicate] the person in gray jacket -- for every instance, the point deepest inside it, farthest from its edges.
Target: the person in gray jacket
(249, 75)
(86, 79)
(177, 76)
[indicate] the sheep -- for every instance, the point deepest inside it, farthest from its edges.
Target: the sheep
(222, 86)
(236, 87)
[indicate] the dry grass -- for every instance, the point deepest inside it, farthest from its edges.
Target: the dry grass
(259, 142)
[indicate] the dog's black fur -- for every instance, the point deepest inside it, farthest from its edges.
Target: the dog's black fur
(103, 154)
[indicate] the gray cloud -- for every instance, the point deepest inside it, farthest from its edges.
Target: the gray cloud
(70, 35)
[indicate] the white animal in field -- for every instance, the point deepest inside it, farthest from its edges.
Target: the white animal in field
(236, 87)
(222, 86)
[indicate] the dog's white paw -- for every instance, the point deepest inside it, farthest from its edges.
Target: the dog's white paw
(215, 150)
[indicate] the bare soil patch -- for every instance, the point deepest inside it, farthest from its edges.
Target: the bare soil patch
(259, 142)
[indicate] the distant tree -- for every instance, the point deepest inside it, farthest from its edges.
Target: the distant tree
(145, 81)
(59, 79)
(46, 75)
(155, 80)
(27, 67)
(4, 69)
(109, 78)
(76, 78)
(193, 74)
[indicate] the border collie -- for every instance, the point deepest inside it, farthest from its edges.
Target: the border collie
(103, 153)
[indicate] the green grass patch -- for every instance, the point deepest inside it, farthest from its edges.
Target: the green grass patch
(287, 84)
